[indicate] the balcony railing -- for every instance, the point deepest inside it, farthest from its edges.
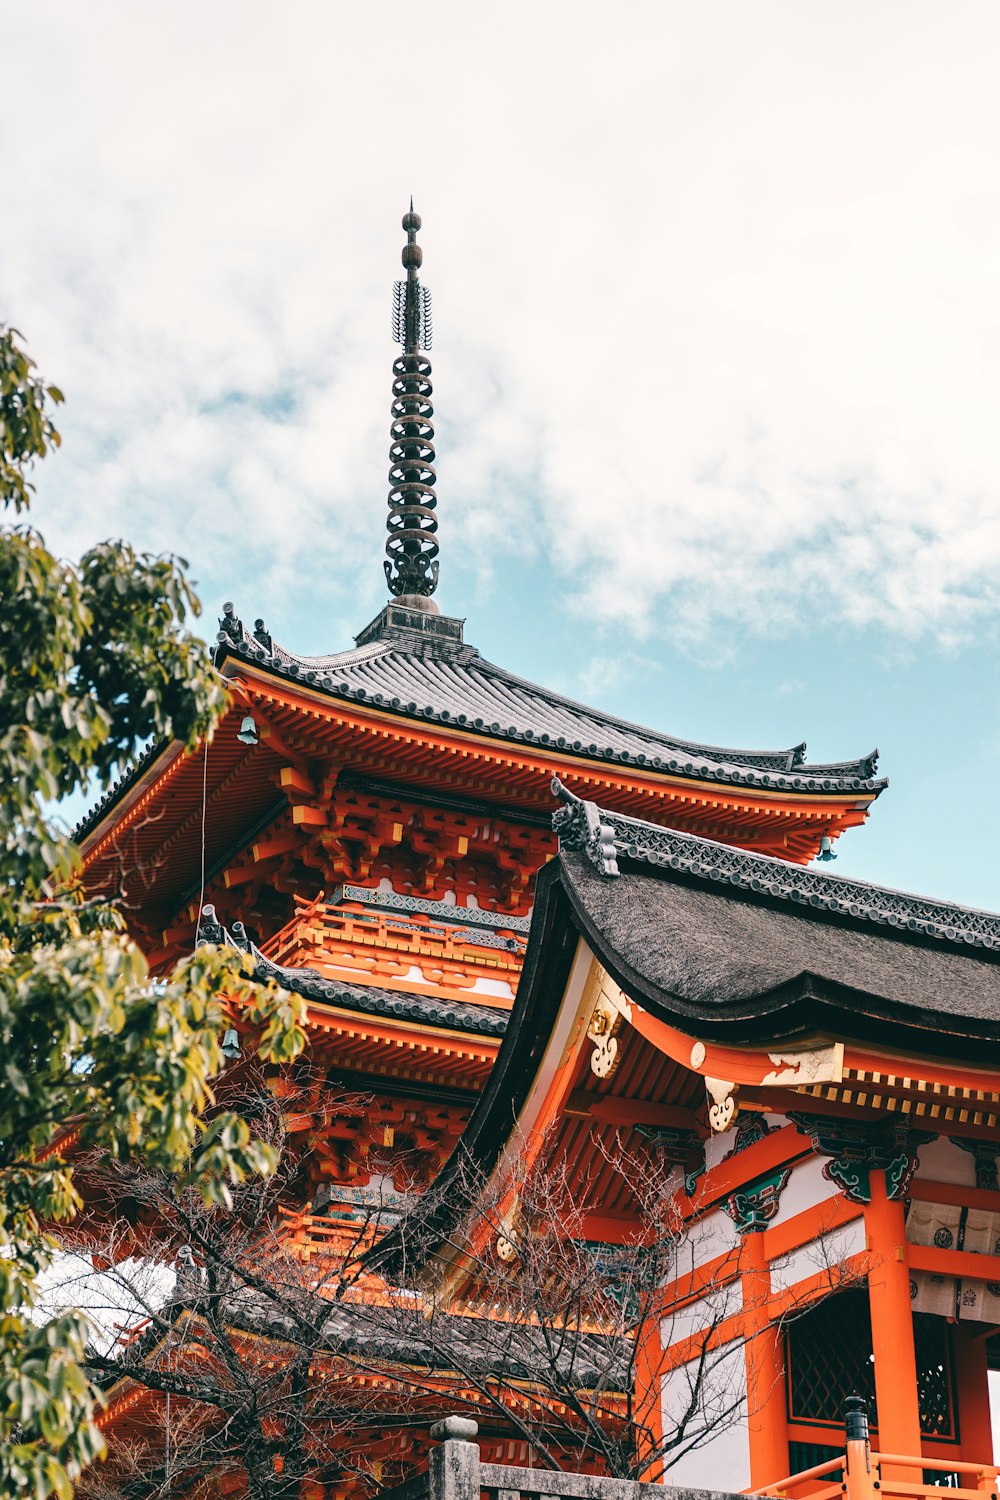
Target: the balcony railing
(883, 1476)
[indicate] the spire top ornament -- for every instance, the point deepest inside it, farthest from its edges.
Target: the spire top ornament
(411, 569)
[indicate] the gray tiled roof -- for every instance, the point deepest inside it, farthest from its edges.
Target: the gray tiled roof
(436, 678)
(607, 836)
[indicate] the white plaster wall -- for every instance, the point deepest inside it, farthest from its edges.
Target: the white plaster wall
(805, 1187)
(941, 1161)
(706, 1312)
(819, 1255)
(499, 987)
(712, 1235)
(722, 1462)
(718, 1146)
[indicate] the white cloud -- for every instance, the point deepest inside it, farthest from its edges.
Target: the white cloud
(715, 295)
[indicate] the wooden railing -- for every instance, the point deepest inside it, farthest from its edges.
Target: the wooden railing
(875, 1476)
(869, 1481)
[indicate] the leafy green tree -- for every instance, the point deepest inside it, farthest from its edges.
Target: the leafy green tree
(94, 660)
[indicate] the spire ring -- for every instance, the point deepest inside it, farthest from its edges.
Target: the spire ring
(411, 566)
(411, 548)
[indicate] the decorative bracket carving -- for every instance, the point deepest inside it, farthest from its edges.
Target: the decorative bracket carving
(610, 1009)
(679, 1147)
(820, 1065)
(722, 1107)
(856, 1149)
(752, 1208)
(750, 1128)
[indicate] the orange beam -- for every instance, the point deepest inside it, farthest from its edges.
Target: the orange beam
(822, 1218)
(914, 1070)
(832, 1213)
(610, 1229)
(612, 1109)
(954, 1262)
(950, 1192)
(284, 843)
(304, 816)
(438, 1041)
(739, 1324)
(292, 779)
(775, 1150)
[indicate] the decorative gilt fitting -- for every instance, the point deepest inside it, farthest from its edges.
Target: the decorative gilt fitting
(506, 1243)
(610, 1009)
(722, 1107)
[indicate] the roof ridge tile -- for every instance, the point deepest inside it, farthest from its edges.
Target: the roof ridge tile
(607, 837)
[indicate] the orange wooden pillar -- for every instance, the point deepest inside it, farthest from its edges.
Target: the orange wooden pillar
(973, 1394)
(767, 1421)
(648, 1409)
(892, 1324)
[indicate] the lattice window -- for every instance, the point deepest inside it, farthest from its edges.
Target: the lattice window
(829, 1357)
(932, 1346)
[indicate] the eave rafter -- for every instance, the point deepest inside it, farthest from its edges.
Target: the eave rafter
(306, 741)
(382, 741)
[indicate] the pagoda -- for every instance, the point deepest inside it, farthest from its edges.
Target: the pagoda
(370, 825)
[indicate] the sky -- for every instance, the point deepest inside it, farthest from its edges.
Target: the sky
(717, 337)
(716, 348)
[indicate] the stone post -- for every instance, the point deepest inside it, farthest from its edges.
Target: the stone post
(454, 1465)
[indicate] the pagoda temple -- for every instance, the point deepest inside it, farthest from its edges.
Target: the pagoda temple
(374, 827)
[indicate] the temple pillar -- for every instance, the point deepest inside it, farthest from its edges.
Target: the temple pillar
(892, 1323)
(767, 1422)
(972, 1395)
(649, 1375)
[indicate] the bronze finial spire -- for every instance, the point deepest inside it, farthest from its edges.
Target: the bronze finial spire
(412, 568)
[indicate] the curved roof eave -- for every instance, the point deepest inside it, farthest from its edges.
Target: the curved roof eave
(488, 700)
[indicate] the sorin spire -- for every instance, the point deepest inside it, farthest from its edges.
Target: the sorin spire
(412, 568)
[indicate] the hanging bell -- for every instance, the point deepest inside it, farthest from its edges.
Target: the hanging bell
(826, 849)
(231, 1049)
(248, 731)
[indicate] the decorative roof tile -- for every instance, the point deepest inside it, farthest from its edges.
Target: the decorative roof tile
(608, 837)
(439, 679)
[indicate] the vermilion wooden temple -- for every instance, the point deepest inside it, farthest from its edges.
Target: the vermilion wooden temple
(379, 820)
